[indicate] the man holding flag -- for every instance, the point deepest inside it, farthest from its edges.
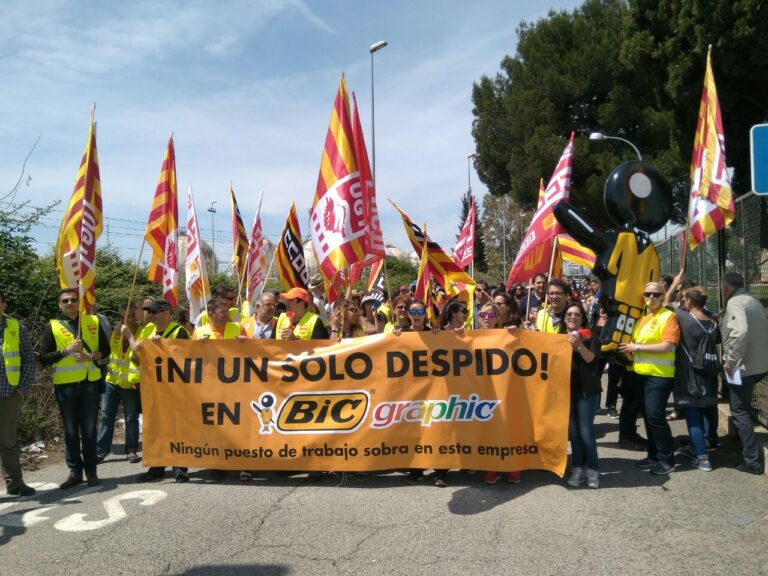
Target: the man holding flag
(73, 344)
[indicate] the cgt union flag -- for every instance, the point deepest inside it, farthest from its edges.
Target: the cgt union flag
(344, 224)
(80, 228)
(197, 276)
(711, 206)
(464, 253)
(240, 248)
(291, 265)
(536, 250)
(161, 233)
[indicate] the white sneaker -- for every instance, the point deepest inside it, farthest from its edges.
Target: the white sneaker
(577, 477)
(593, 478)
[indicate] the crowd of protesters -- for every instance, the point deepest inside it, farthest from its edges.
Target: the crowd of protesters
(672, 353)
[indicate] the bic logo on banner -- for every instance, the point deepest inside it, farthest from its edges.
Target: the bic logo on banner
(313, 413)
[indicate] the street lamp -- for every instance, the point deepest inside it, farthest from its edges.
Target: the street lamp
(375, 47)
(212, 210)
(601, 136)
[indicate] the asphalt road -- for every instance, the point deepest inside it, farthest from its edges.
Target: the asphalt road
(693, 522)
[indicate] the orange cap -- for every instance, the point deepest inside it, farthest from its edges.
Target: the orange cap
(294, 293)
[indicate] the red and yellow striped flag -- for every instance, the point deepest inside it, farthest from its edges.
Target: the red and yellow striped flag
(162, 229)
(81, 226)
(445, 271)
(343, 222)
(239, 236)
(423, 291)
(291, 265)
(572, 251)
(711, 206)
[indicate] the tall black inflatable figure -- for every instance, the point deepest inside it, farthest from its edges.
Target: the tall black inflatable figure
(639, 200)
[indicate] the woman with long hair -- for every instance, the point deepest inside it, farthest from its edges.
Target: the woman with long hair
(400, 319)
(489, 318)
(456, 314)
(695, 325)
(345, 321)
(368, 317)
(507, 308)
(585, 397)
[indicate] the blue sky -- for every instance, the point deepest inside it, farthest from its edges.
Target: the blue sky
(247, 88)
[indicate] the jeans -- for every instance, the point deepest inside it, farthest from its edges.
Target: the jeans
(10, 408)
(110, 402)
(694, 418)
(655, 394)
(79, 406)
(616, 374)
(740, 398)
(582, 432)
(631, 395)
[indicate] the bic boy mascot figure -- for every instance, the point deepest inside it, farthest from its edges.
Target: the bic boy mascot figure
(639, 201)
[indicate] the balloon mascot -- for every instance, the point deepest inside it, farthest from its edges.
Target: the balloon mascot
(639, 200)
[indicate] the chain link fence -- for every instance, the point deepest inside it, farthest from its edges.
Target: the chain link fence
(742, 248)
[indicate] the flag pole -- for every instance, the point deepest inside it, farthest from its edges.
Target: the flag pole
(133, 283)
(269, 269)
(551, 268)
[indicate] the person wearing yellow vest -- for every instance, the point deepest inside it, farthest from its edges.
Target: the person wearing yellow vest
(549, 319)
(297, 322)
(159, 326)
(227, 294)
(17, 372)
(262, 324)
(73, 345)
(121, 386)
(219, 328)
(654, 339)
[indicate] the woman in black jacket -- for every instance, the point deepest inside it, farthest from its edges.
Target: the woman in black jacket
(694, 397)
(585, 397)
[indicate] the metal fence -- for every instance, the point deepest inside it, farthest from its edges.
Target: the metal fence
(742, 248)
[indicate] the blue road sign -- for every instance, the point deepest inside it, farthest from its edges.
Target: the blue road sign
(758, 146)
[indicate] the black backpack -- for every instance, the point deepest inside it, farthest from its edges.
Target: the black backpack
(704, 358)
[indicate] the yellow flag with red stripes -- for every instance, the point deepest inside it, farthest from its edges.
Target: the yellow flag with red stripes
(81, 226)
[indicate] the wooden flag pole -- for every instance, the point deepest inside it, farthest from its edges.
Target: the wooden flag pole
(133, 283)
(551, 267)
(269, 269)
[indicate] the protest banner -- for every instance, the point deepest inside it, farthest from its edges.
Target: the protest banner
(484, 400)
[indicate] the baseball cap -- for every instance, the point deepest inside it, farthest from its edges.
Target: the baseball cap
(158, 306)
(294, 293)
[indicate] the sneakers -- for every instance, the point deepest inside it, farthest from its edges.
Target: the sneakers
(646, 464)
(182, 477)
(132, 457)
(750, 468)
(71, 481)
(577, 477)
(491, 477)
(613, 413)
(702, 463)
(245, 476)
(92, 478)
(440, 482)
(662, 469)
(593, 478)
(22, 490)
(150, 475)
(102, 456)
(687, 451)
(514, 478)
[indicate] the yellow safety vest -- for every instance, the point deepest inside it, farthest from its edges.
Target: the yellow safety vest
(544, 322)
(68, 370)
(654, 363)
(150, 331)
(249, 325)
(12, 351)
(204, 318)
(120, 370)
(231, 331)
(304, 327)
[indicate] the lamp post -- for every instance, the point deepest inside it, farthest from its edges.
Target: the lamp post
(596, 136)
(212, 210)
(375, 47)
